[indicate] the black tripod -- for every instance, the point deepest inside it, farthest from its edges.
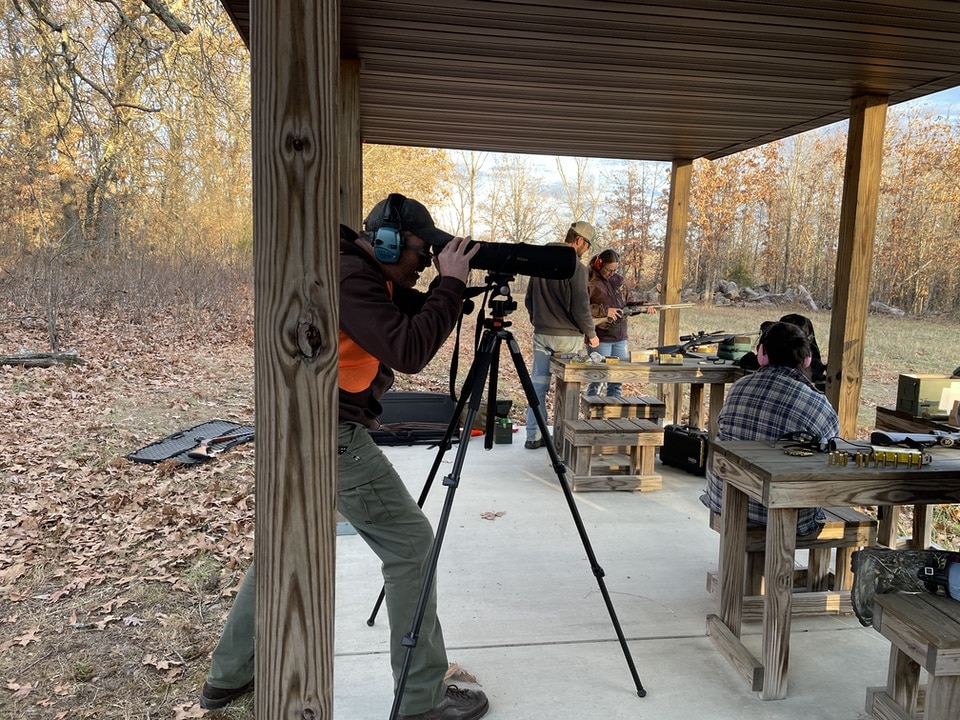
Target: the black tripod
(486, 365)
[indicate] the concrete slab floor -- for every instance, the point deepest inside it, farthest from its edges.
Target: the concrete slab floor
(523, 613)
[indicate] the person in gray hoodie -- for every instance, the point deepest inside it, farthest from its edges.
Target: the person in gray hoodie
(560, 313)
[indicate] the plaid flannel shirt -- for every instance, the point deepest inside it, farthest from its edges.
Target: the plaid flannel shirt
(766, 405)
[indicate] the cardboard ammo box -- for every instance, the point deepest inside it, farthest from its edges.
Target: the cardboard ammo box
(670, 359)
(919, 395)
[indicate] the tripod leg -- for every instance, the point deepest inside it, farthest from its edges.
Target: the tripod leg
(488, 346)
(490, 429)
(445, 444)
(561, 472)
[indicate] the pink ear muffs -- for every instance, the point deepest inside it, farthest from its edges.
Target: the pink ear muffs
(763, 360)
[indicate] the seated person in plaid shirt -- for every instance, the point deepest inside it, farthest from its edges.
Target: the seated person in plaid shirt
(766, 405)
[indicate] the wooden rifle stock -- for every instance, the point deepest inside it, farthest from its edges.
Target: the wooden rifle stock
(203, 449)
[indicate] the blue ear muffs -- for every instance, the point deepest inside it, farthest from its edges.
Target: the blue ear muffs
(388, 240)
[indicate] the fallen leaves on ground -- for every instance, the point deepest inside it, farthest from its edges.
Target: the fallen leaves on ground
(455, 673)
(104, 561)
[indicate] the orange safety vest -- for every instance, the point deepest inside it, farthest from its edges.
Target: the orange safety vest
(358, 368)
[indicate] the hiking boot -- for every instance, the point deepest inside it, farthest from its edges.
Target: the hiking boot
(457, 704)
(880, 570)
(534, 444)
(212, 697)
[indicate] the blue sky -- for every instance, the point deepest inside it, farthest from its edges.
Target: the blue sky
(948, 99)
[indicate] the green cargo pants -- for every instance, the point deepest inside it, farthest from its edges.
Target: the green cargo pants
(373, 498)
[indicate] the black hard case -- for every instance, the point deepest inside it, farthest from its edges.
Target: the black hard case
(414, 418)
(685, 448)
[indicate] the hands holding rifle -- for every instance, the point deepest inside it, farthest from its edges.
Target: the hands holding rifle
(638, 307)
(610, 319)
(615, 315)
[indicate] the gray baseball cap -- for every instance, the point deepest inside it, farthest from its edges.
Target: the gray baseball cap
(408, 215)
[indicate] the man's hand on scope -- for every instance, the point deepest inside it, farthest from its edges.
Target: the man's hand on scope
(454, 259)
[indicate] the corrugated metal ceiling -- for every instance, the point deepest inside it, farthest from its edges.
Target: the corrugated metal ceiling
(629, 79)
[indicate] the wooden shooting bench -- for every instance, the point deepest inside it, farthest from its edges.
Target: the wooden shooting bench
(761, 471)
(924, 633)
(615, 446)
(572, 375)
(612, 453)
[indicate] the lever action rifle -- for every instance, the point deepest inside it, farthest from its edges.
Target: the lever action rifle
(636, 308)
(640, 308)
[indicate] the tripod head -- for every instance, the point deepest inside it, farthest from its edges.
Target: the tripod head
(499, 299)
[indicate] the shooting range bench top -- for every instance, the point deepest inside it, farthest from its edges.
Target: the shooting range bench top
(571, 375)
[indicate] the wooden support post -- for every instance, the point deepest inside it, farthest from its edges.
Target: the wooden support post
(295, 56)
(351, 146)
(677, 214)
(851, 287)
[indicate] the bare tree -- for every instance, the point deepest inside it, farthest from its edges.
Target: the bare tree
(636, 217)
(516, 203)
(465, 181)
(582, 190)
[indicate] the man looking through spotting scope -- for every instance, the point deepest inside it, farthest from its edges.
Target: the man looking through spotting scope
(560, 314)
(385, 325)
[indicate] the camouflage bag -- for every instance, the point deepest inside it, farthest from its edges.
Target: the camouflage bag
(881, 570)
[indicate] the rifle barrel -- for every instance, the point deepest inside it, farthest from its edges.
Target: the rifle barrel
(669, 306)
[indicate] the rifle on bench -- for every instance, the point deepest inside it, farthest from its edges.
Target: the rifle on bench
(688, 342)
(915, 440)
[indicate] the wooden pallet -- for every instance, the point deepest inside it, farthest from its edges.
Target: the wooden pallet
(595, 407)
(591, 449)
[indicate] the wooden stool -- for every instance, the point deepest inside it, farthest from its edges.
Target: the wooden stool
(612, 470)
(644, 406)
(924, 632)
(844, 531)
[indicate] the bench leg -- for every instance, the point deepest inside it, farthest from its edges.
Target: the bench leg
(843, 575)
(818, 569)
(943, 698)
(642, 459)
(753, 582)
(581, 456)
(903, 680)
